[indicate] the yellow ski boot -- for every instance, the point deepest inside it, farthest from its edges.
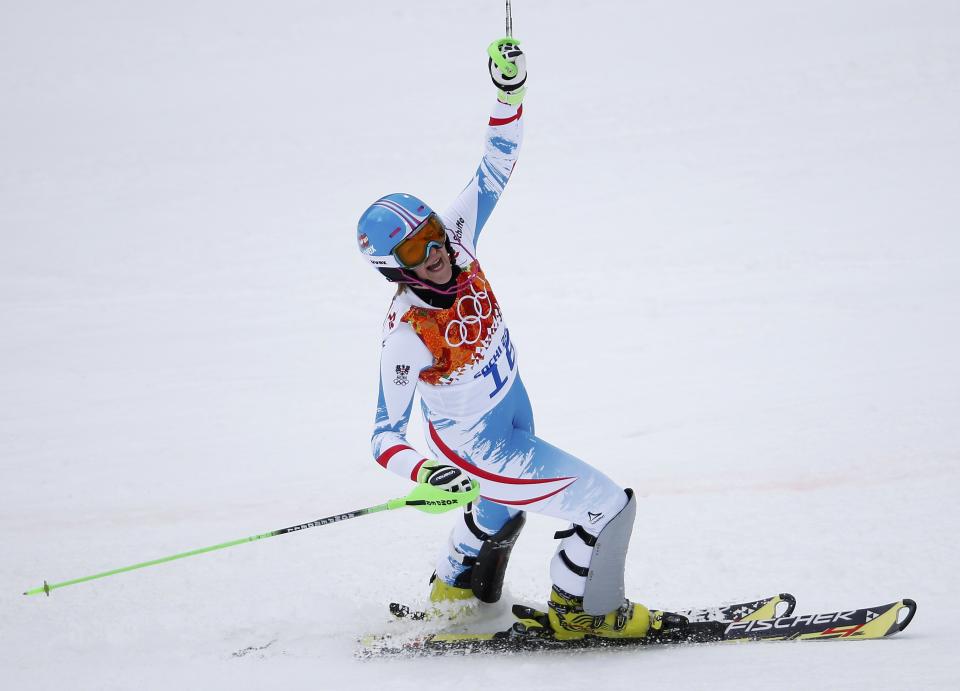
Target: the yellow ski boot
(450, 601)
(570, 622)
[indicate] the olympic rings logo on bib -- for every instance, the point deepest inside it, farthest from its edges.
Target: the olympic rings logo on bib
(467, 329)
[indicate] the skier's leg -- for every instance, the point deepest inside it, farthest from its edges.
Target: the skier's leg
(587, 570)
(517, 467)
(475, 557)
(474, 560)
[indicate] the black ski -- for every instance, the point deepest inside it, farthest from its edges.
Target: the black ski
(781, 605)
(531, 633)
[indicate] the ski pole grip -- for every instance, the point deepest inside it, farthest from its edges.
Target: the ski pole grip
(429, 499)
(507, 68)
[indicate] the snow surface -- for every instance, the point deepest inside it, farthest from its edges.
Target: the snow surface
(728, 256)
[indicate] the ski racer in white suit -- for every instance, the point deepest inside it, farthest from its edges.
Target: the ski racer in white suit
(445, 336)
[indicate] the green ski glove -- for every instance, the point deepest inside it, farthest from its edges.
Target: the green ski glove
(508, 70)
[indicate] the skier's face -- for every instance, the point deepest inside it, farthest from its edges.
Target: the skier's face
(436, 268)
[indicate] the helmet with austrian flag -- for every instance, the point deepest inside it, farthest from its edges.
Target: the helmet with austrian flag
(384, 225)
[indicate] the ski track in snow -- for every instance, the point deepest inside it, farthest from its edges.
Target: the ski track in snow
(729, 259)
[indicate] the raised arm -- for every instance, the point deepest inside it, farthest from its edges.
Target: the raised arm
(469, 212)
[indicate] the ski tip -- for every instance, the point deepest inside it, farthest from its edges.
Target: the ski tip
(401, 611)
(911, 607)
(791, 603)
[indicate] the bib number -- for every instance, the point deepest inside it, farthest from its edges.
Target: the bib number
(505, 351)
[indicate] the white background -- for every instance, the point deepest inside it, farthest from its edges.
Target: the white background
(728, 257)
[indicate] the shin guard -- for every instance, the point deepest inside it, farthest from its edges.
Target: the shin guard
(486, 579)
(604, 591)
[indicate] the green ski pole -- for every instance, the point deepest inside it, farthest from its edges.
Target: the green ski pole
(424, 497)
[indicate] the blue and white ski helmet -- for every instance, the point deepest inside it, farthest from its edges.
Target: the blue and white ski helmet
(384, 225)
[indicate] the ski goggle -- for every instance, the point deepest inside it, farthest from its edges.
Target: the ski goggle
(414, 249)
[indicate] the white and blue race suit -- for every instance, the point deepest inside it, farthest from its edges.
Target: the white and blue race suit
(476, 410)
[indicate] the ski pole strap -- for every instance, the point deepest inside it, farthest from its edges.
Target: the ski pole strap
(429, 499)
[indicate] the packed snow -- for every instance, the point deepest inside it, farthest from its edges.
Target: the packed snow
(729, 260)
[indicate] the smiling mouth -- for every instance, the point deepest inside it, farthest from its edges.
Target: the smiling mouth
(436, 265)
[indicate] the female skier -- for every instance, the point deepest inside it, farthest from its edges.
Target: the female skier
(445, 336)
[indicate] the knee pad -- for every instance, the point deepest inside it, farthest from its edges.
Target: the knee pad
(488, 568)
(604, 590)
